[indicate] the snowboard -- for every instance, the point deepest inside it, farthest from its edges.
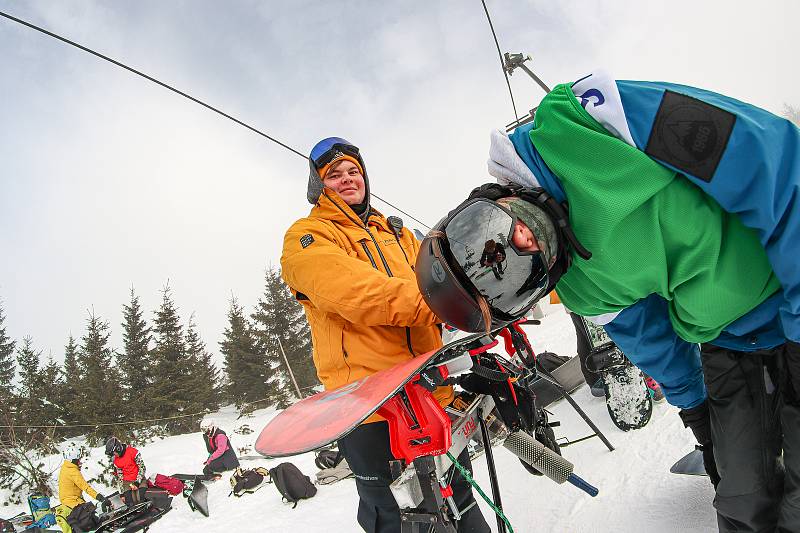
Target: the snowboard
(198, 498)
(690, 464)
(118, 518)
(628, 399)
(321, 419)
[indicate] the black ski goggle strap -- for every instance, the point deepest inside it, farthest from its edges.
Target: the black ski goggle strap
(334, 151)
(479, 238)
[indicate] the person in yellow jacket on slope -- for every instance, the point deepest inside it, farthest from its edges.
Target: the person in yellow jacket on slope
(71, 486)
(352, 270)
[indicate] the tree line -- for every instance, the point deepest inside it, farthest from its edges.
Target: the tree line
(163, 370)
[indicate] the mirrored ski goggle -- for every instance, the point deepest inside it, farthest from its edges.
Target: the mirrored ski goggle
(326, 151)
(480, 240)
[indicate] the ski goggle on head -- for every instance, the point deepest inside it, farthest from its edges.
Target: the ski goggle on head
(328, 149)
(480, 239)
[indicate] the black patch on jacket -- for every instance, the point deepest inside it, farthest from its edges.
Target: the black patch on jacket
(306, 240)
(689, 134)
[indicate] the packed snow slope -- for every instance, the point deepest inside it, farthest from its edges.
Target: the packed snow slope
(637, 492)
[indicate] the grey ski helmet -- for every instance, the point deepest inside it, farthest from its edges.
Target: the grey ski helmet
(468, 264)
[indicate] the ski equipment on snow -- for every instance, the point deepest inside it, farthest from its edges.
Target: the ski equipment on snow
(690, 464)
(198, 498)
(292, 483)
(248, 480)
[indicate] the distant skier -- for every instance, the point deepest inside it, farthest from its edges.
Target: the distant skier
(129, 467)
(683, 228)
(353, 273)
(493, 256)
(221, 455)
(71, 486)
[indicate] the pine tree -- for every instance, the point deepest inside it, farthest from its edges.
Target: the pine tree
(134, 361)
(7, 366)
(29, 396)
(205, 375)
(99, 395)
(171, 391)
(70, 375)
(247, 371)
(284, 336)
(53, 409)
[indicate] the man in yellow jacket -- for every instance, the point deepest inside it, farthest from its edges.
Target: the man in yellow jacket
(352, 270)
(71, 486)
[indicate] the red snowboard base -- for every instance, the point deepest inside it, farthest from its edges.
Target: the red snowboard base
(319, 420)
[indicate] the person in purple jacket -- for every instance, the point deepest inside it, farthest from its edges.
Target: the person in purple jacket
(221, 456)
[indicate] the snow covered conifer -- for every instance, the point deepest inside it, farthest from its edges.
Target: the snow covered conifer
(134, 360)
(246, 369)
(205, 375)
(281, 327)
(29, 388)
(98, 399)
(171, 391)
(7, 364)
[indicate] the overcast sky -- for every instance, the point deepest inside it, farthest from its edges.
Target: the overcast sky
(108, 181)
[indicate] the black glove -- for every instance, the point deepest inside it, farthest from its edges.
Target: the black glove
(99, 497)
(699, 421)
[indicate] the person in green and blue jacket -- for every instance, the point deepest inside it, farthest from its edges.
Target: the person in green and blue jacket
(670, 215)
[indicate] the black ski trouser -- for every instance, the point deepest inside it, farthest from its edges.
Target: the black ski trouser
(225, 462)
(368, 453)
(755, 413)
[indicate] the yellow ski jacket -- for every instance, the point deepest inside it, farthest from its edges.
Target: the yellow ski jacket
(71, 485)
(357, 286)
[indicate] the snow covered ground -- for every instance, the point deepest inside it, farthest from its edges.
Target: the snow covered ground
(637, 492)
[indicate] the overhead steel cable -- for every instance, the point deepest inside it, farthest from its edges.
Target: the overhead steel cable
(178, 91)
(502, 63)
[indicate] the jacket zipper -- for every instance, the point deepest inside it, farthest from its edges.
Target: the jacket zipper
(380, 254)
(389, 272)
(385, 265)
(366, 251)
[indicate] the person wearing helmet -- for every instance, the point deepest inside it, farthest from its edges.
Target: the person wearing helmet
(681, 237)
(221, 456)
(129, 467)
(352, 270)
(71, 486)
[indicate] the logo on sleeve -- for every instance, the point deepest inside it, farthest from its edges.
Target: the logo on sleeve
(689, 134)
(587, 96)
(306, 240)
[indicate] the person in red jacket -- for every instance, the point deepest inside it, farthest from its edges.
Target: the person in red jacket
(221, 456)
(128, 464)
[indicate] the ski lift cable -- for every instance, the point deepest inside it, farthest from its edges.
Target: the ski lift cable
(502, 63)
(185, 95)
(121, 424)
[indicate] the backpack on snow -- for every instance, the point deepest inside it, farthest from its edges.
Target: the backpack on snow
(82, 518)
(171, 484)
(247, 480)
(292, 483)
(43, 516)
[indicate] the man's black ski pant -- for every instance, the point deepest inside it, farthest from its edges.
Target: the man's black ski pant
(755, 413)
(368, 453)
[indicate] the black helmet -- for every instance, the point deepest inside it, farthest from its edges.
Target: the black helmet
(114, 446)
(469, 261)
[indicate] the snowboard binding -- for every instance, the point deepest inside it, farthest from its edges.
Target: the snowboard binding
(498, 403)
